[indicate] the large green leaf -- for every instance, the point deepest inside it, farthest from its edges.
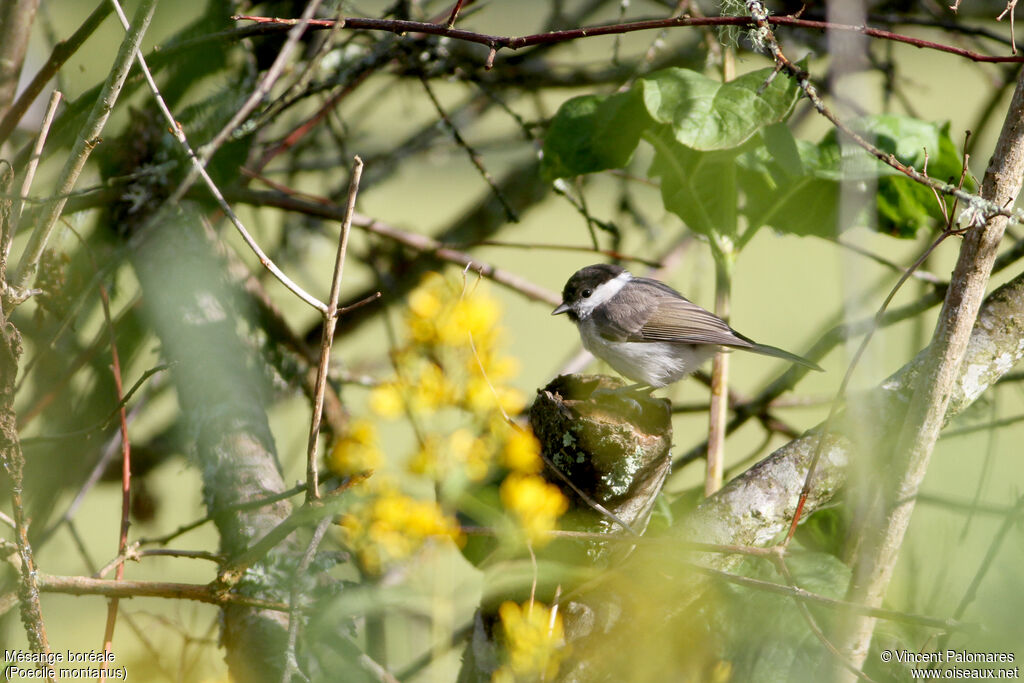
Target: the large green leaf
(787, 184)
(593, 133)
(720, 145)
(706, 114)
(800, 195)
(699, 187)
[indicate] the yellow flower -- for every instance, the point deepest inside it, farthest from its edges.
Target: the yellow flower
(536, 504)
(522, 452)
(431, 389)
(479, 395)
(499, 368)
(427, 459)
(534, 642)
(512, 401)
(426, 308)
(471, 452)
(356, 451)
(386, 400)
(424, 303)
(474, 314)
(393, 526)
(423, 330)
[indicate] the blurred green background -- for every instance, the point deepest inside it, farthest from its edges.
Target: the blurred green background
(786, 292)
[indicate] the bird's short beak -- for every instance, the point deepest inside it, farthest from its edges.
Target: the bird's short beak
(564, 308)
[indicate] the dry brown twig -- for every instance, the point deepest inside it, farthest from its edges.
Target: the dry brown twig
(327, 336)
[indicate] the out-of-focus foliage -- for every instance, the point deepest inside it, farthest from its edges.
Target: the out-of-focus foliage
(721, 152)
(443, 523)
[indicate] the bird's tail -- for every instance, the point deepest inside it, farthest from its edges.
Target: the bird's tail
(766, 350)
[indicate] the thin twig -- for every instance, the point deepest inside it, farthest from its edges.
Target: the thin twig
(473, 155)
(126, 476)
(231, 573)
(12, 458)
(975, 202)
(718, 410)
(134, 553)
(327, 336)
(812, 623)
(496, 42)
(934, 385)
(208, 593)
(840, 395)
(922, 275)
(95, 474)
(324, 208)
(261, 90)
(295, 617)
(453, 17)
(986, 563)
(61, 52)
(541, 246)
(30, 174)
(589, 500)
(85, 141)
(807, 596)
(198, 169)
(237, 507)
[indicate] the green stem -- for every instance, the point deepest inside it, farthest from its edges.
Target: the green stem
(725, 257)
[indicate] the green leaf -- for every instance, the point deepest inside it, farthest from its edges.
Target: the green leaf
(801, 197)
(699, 187)
(904, 137)
(706, 114)
(782, 146)
(593, 133)
(788, 194)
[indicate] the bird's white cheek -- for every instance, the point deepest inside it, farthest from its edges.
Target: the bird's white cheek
(602, 293)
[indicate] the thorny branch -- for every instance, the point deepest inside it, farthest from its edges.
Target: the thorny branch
(495, 42)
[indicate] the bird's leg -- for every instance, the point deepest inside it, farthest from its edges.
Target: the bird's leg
(626, 394)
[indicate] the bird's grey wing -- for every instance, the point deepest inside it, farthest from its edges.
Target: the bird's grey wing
(673, 318)
(660, 314)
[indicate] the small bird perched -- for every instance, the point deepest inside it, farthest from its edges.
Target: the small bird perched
(645, 329)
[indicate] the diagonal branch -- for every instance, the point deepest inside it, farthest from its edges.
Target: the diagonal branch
(933, 387)
(755, 508)
(86, 140)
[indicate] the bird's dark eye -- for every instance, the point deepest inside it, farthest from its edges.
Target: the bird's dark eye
(586, 293)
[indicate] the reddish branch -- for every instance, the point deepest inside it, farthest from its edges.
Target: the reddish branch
(759, 19)
(126, 475)
(516, 42)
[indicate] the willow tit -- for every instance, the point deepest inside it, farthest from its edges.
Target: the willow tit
(646, 330)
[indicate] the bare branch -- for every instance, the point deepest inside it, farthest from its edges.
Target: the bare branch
(85, 141)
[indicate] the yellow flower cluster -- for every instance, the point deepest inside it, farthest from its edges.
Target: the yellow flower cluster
(534, 502)
(451, 380)
(389, 526)
(452, 357)
(534, 642)
(357, 450)
(451, 365)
